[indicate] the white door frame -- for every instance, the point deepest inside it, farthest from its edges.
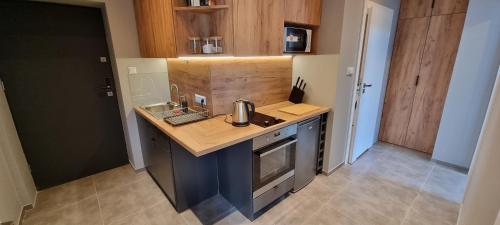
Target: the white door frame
(360, 57)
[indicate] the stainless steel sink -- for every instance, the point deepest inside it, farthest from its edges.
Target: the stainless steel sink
(171, 113)
(160, 109)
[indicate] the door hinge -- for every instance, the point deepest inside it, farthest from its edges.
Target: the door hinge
(416, 81)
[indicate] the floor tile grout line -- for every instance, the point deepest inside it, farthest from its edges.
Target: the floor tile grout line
(407, 214)
(98, 202)
(421, 188)
(120, 186)
(62, 207)
(418, 195)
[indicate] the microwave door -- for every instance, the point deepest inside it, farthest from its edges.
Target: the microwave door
(296, 40)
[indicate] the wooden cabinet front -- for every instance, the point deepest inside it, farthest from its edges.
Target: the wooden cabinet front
(439, 57)
(258, 27)
(426, 8)
(445, 7)
(306, 12)
(405, 65)
(155, 28)
(415, 8)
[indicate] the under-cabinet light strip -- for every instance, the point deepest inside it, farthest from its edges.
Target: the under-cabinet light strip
(231, 57)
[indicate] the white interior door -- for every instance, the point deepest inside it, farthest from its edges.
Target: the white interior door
(373, 64)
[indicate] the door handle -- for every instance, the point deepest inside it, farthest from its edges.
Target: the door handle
(365, 85)
(277, 148)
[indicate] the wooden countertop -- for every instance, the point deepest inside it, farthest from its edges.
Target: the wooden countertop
(213, 134)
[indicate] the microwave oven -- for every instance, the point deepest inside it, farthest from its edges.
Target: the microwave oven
(297, 40)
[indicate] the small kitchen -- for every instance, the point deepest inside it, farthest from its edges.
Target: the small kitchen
(234, 124)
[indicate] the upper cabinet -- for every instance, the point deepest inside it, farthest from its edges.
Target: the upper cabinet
(201, 22)
(426, 8)
(307, 12)
(170, 28)
(155, 26)
(258, 27)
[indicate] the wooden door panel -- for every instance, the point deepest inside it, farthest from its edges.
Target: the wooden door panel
(303, 11)
(271, 35)
(405, 65)
(444, 7)
(155, 26)
(415, 8)
(246, 27)
(258, 27)
(437, 66)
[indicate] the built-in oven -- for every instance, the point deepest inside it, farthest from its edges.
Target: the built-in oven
(273, 165)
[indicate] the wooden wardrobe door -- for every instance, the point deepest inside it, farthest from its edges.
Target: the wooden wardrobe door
(444, 7)
(437, 66)
(415, 8)
(405, 65)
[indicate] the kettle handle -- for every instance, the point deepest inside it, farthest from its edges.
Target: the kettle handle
(250, 114)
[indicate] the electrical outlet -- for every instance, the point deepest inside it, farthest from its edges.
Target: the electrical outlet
(200, 98)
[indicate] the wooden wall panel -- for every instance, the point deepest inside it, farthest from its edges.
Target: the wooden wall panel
(444, 7)
(261, 80)
(415, 8)
(405, 65)
(435, 73)
(192, 77)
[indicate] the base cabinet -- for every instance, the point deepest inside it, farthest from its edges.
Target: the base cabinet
(176, 171)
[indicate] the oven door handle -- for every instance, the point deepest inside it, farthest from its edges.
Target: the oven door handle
(277, 148)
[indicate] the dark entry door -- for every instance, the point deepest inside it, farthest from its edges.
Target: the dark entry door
(57, 89)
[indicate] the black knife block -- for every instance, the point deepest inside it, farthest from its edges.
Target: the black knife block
(296, 95)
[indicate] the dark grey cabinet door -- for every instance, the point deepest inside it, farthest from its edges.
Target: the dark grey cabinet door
(157, 157)
(161, 167)
(307, 148)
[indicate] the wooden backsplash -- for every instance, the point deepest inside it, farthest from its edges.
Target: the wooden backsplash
(262, 80)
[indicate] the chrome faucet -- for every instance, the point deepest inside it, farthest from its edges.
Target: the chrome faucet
(172, 86)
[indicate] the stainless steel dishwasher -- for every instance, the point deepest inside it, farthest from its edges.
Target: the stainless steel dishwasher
(306, 153)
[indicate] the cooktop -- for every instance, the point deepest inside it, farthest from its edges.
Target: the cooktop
(264, 120)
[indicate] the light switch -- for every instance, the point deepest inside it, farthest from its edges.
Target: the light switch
(350, 71)
(132, 70)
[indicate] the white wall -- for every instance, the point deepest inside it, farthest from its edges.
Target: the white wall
(482, 199)
(330, 31)
(471, 84)
(320, 73)
(351, 29)
(17, 187)
(149, 85)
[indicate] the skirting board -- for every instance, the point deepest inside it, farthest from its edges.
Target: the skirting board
(452, 166)
(21, 215)
(333, 170)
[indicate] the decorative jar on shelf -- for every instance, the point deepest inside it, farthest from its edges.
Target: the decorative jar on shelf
(194, 45)
(216, 42)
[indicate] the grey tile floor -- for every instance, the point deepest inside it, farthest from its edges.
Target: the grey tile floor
(387, 185)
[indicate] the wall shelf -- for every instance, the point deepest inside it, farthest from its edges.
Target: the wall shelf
(200, 9)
